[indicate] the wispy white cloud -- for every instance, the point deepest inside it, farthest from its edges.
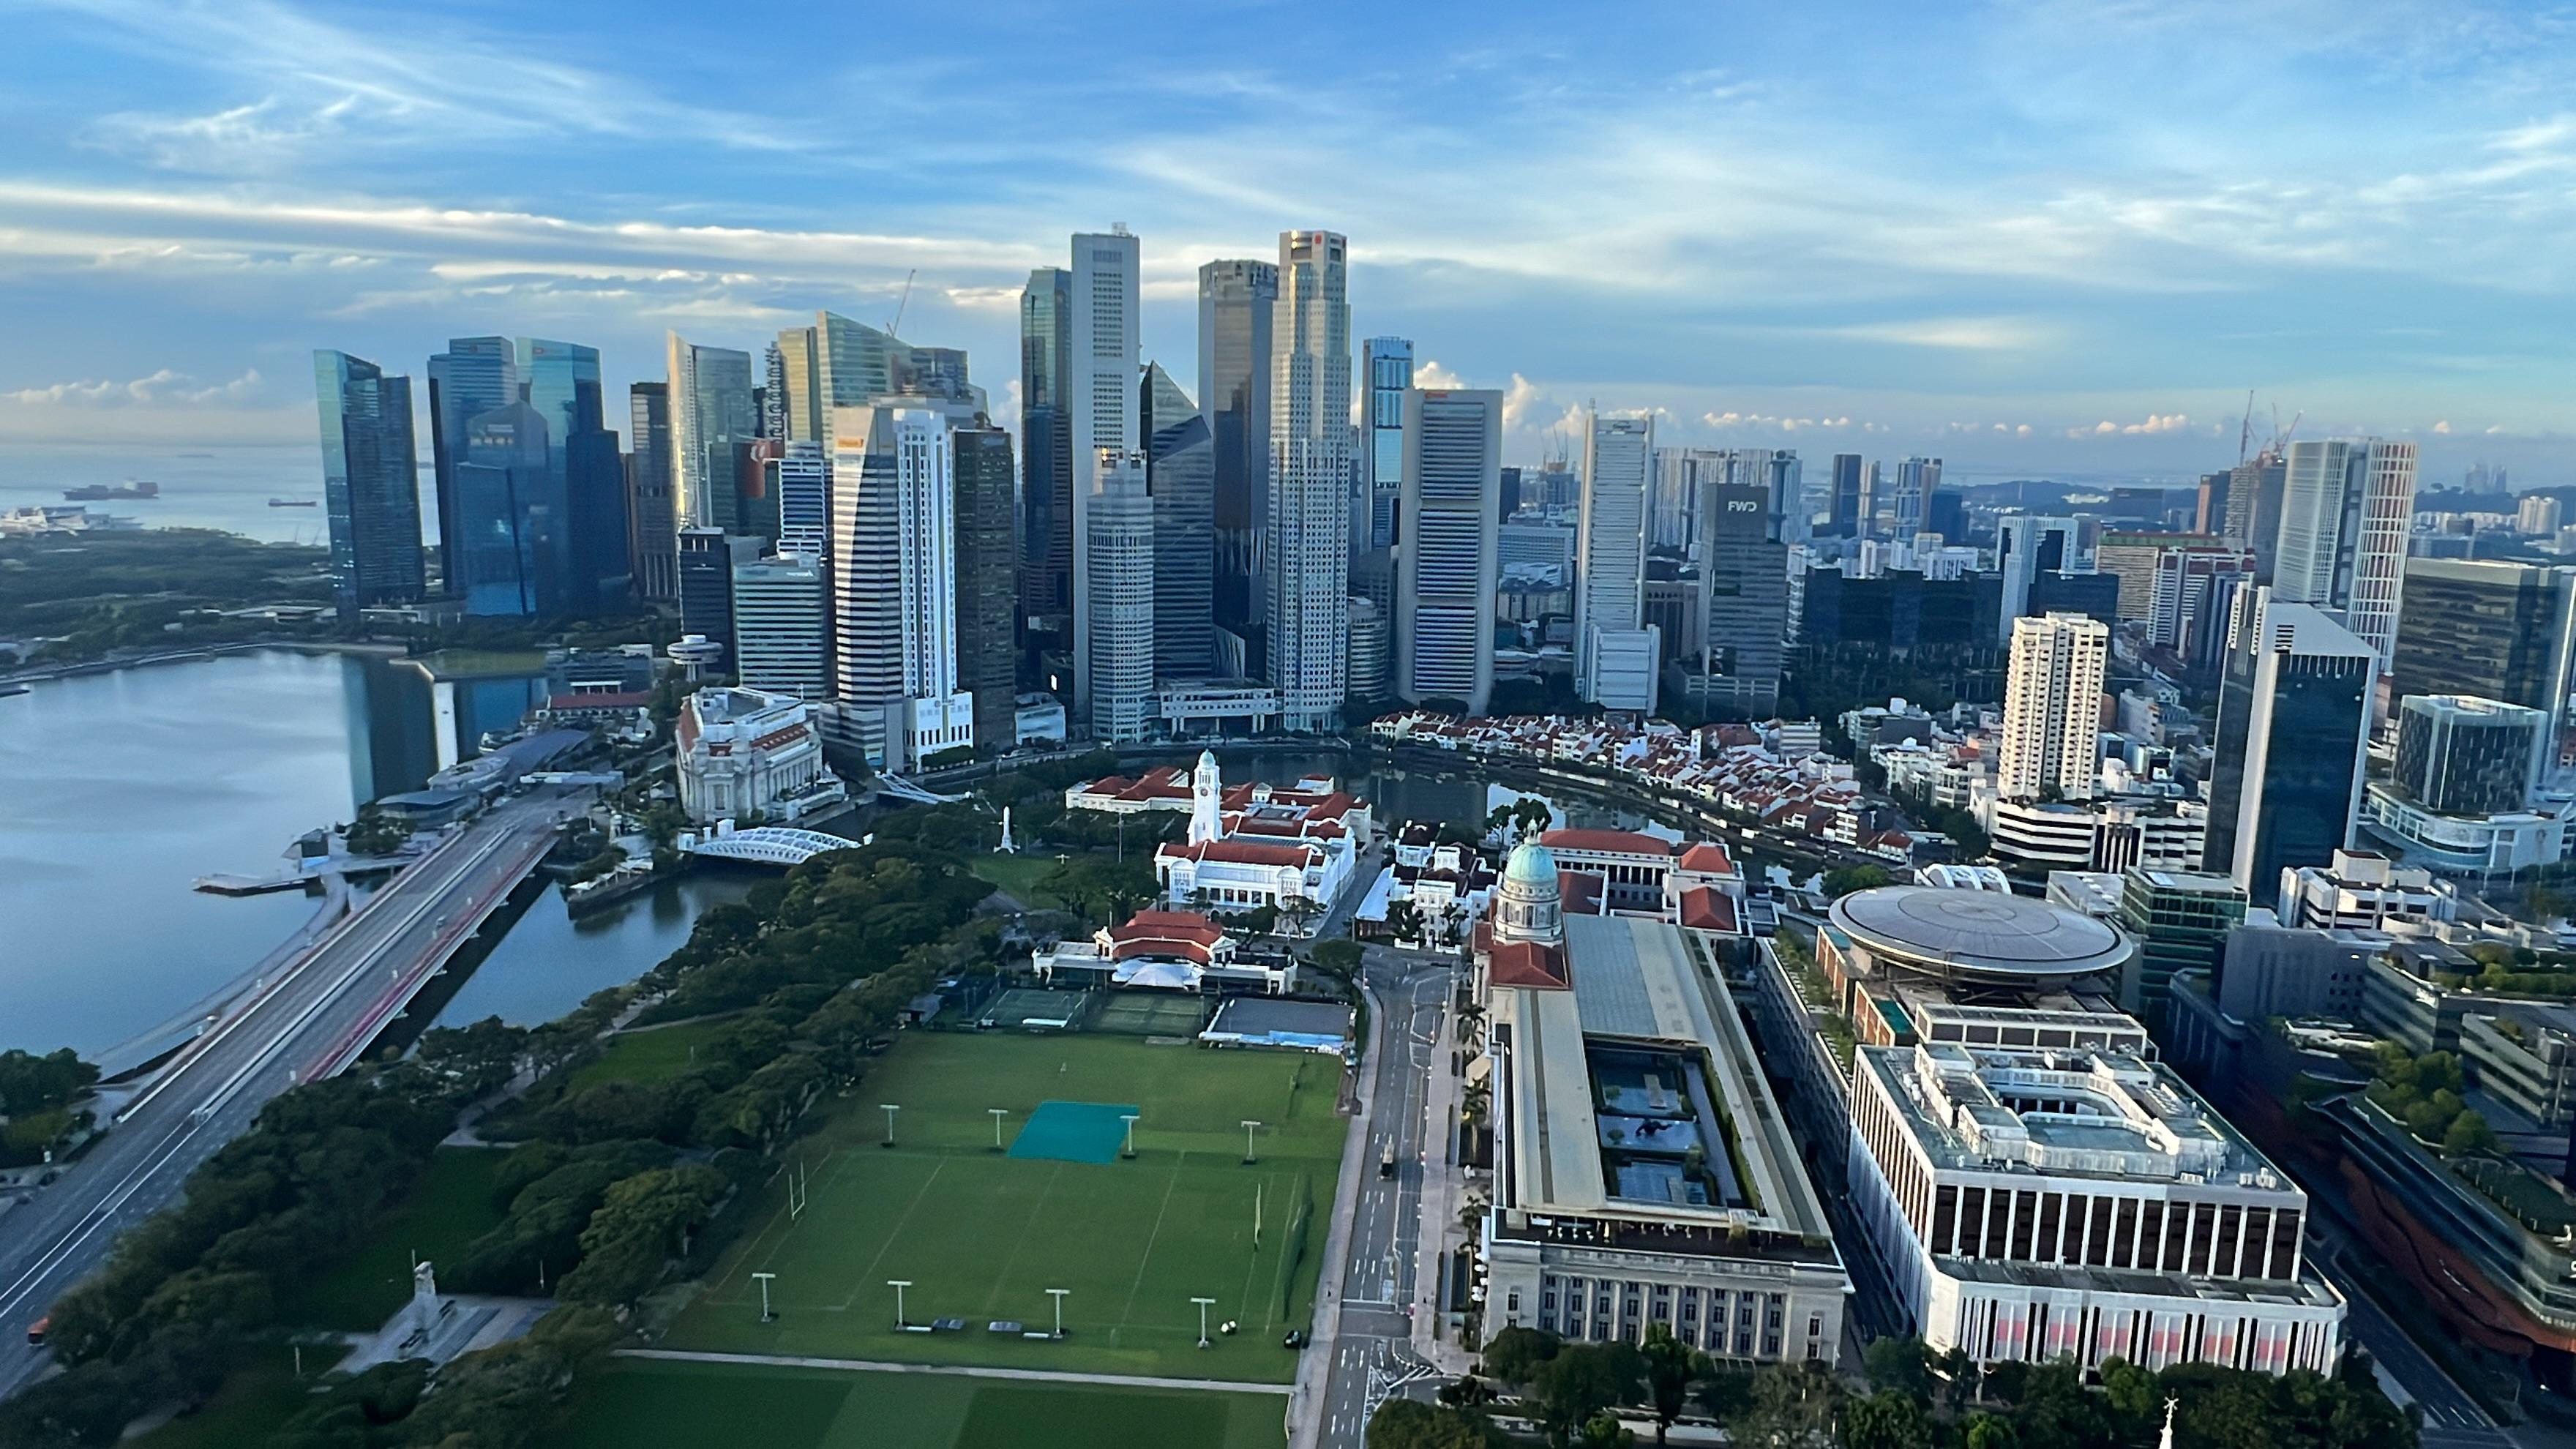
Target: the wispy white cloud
(164, 387)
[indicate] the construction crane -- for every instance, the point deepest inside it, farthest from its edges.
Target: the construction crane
(2245, 434)
(895, 327)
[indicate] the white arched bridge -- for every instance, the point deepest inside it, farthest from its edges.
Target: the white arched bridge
(764, 844)
(914, 790)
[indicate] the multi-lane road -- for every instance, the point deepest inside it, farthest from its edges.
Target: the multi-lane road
(320, 1011)
(1370, 1335)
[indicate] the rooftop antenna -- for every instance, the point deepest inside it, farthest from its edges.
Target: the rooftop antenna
(895, 327)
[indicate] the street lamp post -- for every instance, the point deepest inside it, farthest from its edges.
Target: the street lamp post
(1130, 1119)
(1203, 1308)
(763, 1280)
(898, 1285)
(1058, 1295)
(1249, 1127)
(998, 1113)
(890, 1109)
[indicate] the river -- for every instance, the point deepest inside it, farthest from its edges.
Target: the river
(118, 790)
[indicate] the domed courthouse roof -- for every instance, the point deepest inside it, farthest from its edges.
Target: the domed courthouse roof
(1978, 935)
(1531, 864)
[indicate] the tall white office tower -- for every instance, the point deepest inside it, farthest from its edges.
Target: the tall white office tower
(1120, 636)
(801, 481)
(1450, 559)
(1915, 480)
(2347, 506)
(2053, 708)
(782, 623)
(894, 578)
(1615, 650)
(1682, 478)
(1308, 547)
(2028, 545)
(1101, 390)
(711, 411)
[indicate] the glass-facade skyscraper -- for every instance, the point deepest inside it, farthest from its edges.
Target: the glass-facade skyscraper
(370, 482)
(474, 375)
(1388, 361)
(2293, 722)
(1180, 473)
(650, 528)
(1236, 299)
(1046, 442)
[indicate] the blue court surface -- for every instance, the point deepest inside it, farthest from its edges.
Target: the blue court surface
(1074, 1132)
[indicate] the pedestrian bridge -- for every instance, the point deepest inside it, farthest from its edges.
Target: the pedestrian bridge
(764, 844)
(914, 790)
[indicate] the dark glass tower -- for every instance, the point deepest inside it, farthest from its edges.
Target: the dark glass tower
(1046, 434)
(370, 482)
(506, 555)
(2293, 718)
(1235, 302)
(1180, 473)
(648, 492)
(472, 377)
(987, 661)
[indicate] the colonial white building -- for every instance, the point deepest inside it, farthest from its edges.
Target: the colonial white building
(1642, 1172)
(2081, 1202)
(1263, 848)
(742, 751)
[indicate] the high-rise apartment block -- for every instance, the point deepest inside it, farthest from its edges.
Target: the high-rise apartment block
(370, 483)
(2347, 508)
(1102, 317)
(1307, 550)
(1449, 559)
(1615, 661)
(2053, 708)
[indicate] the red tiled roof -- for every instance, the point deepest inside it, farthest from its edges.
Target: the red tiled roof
(1708, 856)
(1181, 933)
(1528, 963)
(1607, 842)
(1581, 892)
(1238, 852)
(1706, 908)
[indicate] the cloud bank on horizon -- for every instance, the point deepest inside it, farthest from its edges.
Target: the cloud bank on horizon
(2029, 237)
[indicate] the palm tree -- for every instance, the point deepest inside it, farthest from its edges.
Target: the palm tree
(1471, 1023)
(1476, 1101)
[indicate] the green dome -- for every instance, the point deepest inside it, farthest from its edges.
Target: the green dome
(1531, 864)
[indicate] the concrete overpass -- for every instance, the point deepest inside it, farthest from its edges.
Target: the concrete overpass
(310, 1019)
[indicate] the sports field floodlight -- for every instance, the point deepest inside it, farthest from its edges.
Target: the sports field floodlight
(1203, 1308)
(890, 1109)
(1130, 1119)
(763, 1280)
(898, 1285)
(1249, 1127)
(1058, 1295)
(998, 1114)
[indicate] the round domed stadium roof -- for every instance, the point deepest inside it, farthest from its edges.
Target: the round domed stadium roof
(1977, 934)
(1531, 864)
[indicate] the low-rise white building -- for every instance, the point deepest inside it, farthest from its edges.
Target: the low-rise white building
(1170, 950)
(2083, 1204)
(741, 751)
(2363, 890)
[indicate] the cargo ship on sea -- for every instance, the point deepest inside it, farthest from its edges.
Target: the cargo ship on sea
(101, 492)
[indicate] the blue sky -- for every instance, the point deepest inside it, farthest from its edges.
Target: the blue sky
(2031, 238)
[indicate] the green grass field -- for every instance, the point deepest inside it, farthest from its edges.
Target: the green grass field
(1019, 874)
(254, 1403)
(655, 1054)
(981, 1235)
(448, 1209)
(641, 1405)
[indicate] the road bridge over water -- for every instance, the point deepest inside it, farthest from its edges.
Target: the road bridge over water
(311, 1018)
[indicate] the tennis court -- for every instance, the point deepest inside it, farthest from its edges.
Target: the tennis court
(1025, 1008)
(979, 1217)
(1150, 1013)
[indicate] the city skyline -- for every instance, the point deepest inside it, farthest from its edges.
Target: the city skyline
(2041, 245)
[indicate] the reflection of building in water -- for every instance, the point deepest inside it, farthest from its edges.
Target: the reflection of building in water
(394, 748)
